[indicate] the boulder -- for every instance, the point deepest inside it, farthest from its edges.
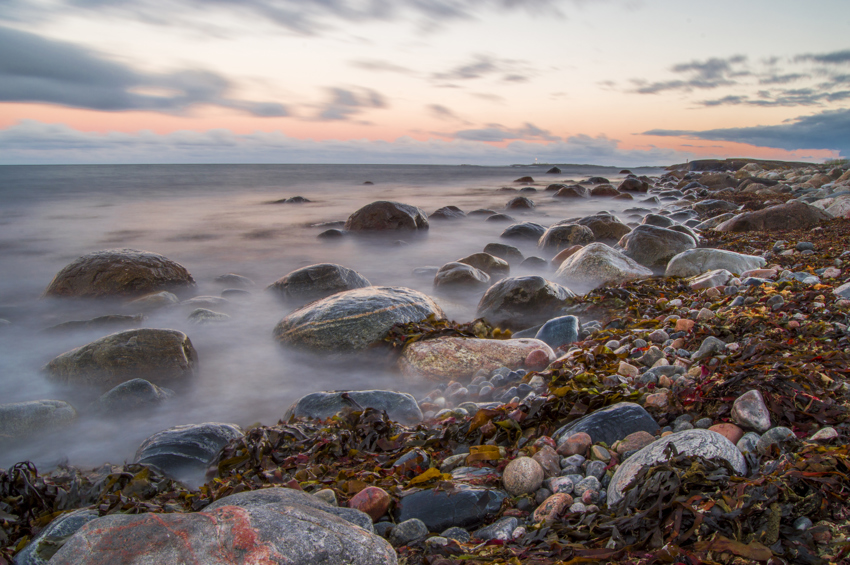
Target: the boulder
(153, 301)
(605, 226)
(499, 218)
(387, 216)
(558, 332)
(697, 261)
(561, 236)
(707, 207)
(657, 220)
(20, 420)
(633, 185)
(399, 406)
(652, 246)
(572, 191)
(317, 281)
(458, 358)
(554, 171)
(519, 202)
(462, 507)
(522, 302)
(610, 424)
(448, 213)
(119, 272)
(228, 531)
(354, 319)
(596, 265)
(131, 396)
(524, 230)
(788, 216)
(185, 452)
(163, 357)
(597, 180)
(696, 442)
(493, 266)
(509, 253)
(604, 190)
(718, 180)
(455, 274)
(50, 539)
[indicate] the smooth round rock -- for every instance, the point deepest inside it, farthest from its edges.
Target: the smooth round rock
(559, 237)
(20, 420)
(119, 272)
(374, 501)
(522, 302)
(605, 227)
(163, 357)
(652, 246)
(387, 216)
(703, 443)
(464, 507)
(694, 262)
(750, 411)
(399, 406)
(456, 274)
(523, 475)
(598, 264)
(317, 281)
(490, 264)
(185, 452)
(131, 396)
(610, 424)
(559, 331)
(354, 319)
(524, 230)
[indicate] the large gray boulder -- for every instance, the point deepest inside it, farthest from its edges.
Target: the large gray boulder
(561, 236)
(399, 406)
(19, 420)
(788, 216)
(317, 281)
(185, 452)
(387, 216)
(652, 246)
(605, 226)
(250, 527)
(596, 265)
(523, 302)
(353, 320)
(119, 272)
(694, 262)
(460, 275)
(696, 442)
(131, 396)
(163, 357)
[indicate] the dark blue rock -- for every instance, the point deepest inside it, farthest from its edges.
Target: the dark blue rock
(467, 507)
(610, 424)
(559, 331)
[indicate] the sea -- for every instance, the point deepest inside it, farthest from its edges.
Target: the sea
(219, 219)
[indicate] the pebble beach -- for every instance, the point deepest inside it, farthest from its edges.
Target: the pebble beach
(663, 383)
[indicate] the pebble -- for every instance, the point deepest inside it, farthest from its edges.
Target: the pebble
(658, 401)
(627, 370)
(576, 444)
(599, 453)
(551, 508)
(709, 346)
(561, 485)
(408, 531)
(802, 524)
(824, 434)
(778, 436)
(549, 461)
(523, 475)
(730, 431)
(750, 411)
(587, 483)
(595, 469)
(748, 443)
(684, 325)
(578, 508)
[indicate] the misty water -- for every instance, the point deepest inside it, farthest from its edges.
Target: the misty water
(217, 219)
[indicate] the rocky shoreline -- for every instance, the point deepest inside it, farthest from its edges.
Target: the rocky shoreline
(692, 407)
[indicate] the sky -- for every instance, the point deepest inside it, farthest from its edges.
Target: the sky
(484, 82)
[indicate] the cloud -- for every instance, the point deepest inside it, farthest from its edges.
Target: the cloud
(440, 112)
(826, 130)
(483, 66)
(497, 133)
(35, 69)
(343, 103)
(711, 73)
(795, 97)
(306, 17)
(834, 58)
(32, 142)
(781, 79)
(381, 66)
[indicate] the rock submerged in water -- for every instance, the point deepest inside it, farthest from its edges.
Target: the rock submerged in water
(248, 527)
(353, 320)
(399, 406)
(460, 275)
(317, 281)
(19, 420)
(387, 216)
(459, 358)
(164, 357)
(131, 396)
(119, 272)
(523, 302)
(185, 452)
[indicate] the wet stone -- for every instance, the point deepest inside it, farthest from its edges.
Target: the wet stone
(610, 424)
(779, 436)
(502, 529)
(551, 508)
(750, 411)
(522, 475)
(466, 507)
(748, 443)
(407, 531)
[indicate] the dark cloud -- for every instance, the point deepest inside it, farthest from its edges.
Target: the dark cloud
(497, 132)
(781, 79)
(708, 74)
(483, 66)
(794, 97)
(298, 16)
(827, 130)
(343, 103)
(834, 58)
(35, 69)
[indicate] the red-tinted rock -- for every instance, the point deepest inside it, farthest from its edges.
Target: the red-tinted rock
(576, 444)
(549, 460)
(537, 360)
(552, 508)
(559, 258)
(374, 501)
(635, 441)
(730, 431)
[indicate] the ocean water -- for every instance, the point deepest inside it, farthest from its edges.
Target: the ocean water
(218, 219)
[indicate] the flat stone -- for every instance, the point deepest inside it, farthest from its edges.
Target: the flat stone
(163, 357)
(203, 316)
(523, 475)
(824, 434)
(282, 533)
(399, 406)
(694, 262)
(465, 507)
(458, 359)
(703, 443)
(750, 411)
(119, 272)
(610, 424)
(353, 320)
(717, 277)
(501, 529)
